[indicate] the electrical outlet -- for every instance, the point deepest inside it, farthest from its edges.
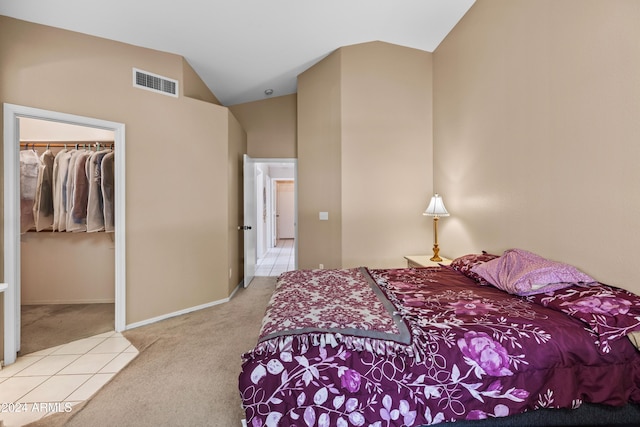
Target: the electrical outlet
(321, 266)
(230, 273)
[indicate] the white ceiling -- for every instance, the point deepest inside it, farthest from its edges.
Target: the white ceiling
(242, 47)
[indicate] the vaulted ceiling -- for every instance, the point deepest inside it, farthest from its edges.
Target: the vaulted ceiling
(240, 48)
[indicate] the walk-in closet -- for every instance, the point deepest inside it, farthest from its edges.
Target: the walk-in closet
(67, 250)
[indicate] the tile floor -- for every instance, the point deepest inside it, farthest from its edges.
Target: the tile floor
(55, 379)
(277, 260)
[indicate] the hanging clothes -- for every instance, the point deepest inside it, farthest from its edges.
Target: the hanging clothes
(57, 185)
(79, 195)
(69, 185)
(67, 192)
(108, 191)
(43, 204)
(95, 204)
(29, 165)
(60, 193)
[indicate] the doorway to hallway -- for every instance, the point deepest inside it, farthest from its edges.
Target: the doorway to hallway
(278, 259)
(276, 217)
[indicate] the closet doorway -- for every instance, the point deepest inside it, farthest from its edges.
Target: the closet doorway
(53, 273)
(276, 205)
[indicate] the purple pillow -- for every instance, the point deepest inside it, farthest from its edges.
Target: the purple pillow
(522, 273)
(465, 263)
(610, 313)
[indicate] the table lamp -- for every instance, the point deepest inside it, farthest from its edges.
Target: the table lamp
(436, 209)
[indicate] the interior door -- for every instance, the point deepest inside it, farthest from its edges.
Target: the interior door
(285, 206)
(248, 227)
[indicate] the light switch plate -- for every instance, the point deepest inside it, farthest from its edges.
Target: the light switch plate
(324, 216)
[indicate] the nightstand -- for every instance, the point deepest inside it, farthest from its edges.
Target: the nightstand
(424, 261)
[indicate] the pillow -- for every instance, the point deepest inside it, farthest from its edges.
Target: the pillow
(465, 263)
(610, 313)
(522, 273)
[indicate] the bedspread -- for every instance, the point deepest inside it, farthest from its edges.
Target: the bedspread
(474, 352)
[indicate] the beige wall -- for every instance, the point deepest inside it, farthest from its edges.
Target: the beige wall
(194, 87)
(537, 108)
(177, 150)
(386, 153)
(319, 159)
(67, 268)
(364, 156)
(271, 126)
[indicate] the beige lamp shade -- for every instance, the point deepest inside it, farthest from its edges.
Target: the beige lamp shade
(436, 207)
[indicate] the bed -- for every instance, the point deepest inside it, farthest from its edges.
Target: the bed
(486, 338)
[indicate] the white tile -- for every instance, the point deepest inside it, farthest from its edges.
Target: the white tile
(111, 345)
(21, 363)
(16, 387)
(90, 363)
(45, 352)
(18, 419)
(37, 379)
(107, 335)
(79, 347)
(89, 388)
(119, 362)
(131, 349)
(56, 388)
(49, 365)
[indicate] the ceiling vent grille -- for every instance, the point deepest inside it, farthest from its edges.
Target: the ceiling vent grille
(155, 83)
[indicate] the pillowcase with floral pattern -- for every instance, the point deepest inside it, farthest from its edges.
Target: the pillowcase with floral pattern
(610, 313)
(465, 263)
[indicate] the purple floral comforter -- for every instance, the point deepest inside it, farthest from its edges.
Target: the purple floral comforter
(334, 351)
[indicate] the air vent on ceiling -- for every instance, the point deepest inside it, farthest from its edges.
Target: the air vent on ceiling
(155, 83)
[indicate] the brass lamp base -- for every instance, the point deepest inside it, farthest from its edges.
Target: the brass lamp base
(436, 249)
(435, 256)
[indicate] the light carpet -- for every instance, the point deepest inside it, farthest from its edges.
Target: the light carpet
(186, 373)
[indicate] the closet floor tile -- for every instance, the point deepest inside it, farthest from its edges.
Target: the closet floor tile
(89, 363)
(89, 388)
(55, 379)
(55, 389)
(48, 365)
(15, 388)
(20, 364)
(111, 345)
(16, 419)
(118, 362)
(46, 351)
(78, 347)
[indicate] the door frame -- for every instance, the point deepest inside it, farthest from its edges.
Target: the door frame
(276, 195)
(12, 114)
(294, 162)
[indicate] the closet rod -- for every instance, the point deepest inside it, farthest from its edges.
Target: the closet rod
(62, 143)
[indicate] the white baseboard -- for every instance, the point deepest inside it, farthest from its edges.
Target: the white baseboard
(181, 312)
(75, 301)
